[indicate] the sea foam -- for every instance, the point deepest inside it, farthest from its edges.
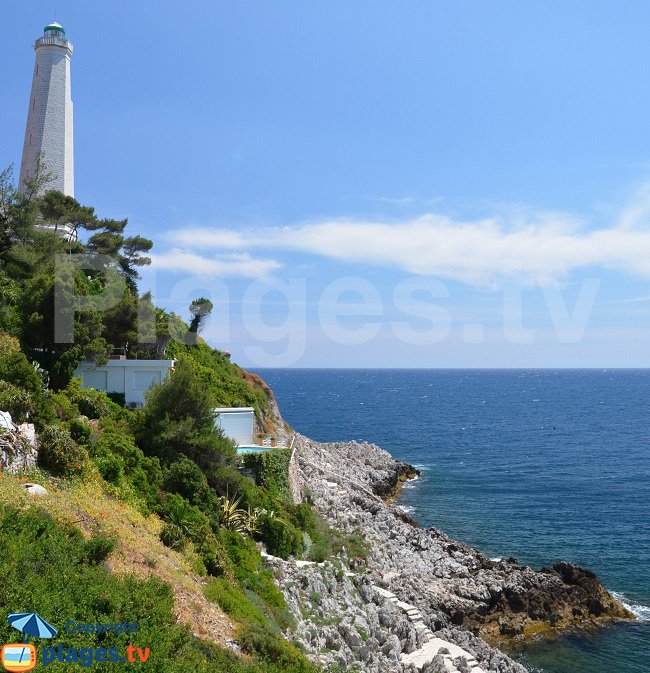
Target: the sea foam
(641, 612)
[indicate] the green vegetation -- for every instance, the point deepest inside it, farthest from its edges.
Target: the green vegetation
(326, 542)
(271, 470)
(281, 538)
(49, 568)
(59, 453)
(200, 309)
(21, 387)
(166, 463)
(228, 385)
(178, 420)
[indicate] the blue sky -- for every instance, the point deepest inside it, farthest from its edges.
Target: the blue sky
(370, 183)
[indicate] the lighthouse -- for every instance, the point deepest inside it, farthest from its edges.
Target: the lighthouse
(48, 134)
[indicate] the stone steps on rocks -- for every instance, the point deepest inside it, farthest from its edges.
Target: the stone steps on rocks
(384, 593)
(431, 649)
(432, 646)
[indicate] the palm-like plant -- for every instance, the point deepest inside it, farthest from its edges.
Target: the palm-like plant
(232, 518)
(181, 515)
(245, 521)
(253, 518)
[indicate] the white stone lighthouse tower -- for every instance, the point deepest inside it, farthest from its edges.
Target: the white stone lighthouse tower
(48, 134)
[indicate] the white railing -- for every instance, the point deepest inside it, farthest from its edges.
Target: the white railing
(53, 42)
(68, 231)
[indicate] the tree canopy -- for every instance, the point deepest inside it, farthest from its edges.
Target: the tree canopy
(38, 287)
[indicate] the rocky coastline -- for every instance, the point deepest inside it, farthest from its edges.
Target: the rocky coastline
(420, 601)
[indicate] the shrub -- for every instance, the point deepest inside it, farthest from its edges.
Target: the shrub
(59, 453)
(215, 558)
(232, 600)
(229, 385)
(146, 479)
(319, 551)
(271, 470)
(189, 519)
(172, 536)
(15, 367)
(326, 541)
(270, 648)
(122, 463)
(186, 478)
(97, 549)
(47, 566)
(353, 543)
(179, 419)
(231, 515)
(91, 403)
(10, 293)
(110, 443)
(281, 538)
(242, 551)
(21, 386)
(303, 517)
(118, 398)
(199, 567)
(79, 430)
(249, 571)
(19, 402)
(225, 480)
(64, 407)
(121, 421)
(111, 467)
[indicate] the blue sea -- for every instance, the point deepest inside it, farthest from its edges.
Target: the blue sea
(542, 465)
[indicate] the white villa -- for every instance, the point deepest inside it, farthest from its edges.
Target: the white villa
(131, 377)
(134, 377)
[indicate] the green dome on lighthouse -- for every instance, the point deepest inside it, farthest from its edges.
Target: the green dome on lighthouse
(54, 27)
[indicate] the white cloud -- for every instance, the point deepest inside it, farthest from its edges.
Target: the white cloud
(241, 265)
(514, 244)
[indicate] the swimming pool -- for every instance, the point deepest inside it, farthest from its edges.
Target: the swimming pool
(252, 448)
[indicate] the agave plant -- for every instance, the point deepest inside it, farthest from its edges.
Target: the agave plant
(181, 515)
(232, 518)
(242, 520)
(253, 517)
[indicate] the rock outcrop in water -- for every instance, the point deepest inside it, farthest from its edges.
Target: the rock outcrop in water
(458, 595)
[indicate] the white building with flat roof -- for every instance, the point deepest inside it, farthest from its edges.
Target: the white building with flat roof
(131, 377)
(237, 423)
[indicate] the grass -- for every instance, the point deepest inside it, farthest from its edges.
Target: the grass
(328, 542)
(59, 559)
(138, 551)
(102, 560)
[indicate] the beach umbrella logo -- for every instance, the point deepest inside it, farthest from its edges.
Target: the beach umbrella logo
(17, 657)
(31, 624)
